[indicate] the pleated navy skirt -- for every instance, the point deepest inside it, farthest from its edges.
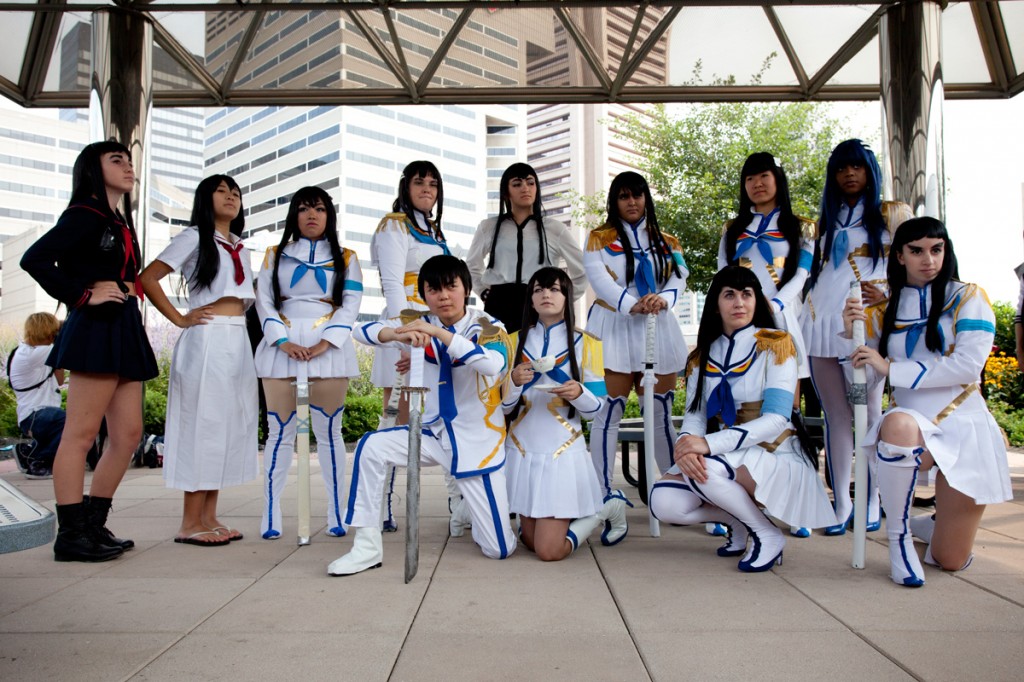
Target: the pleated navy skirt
(105, 339)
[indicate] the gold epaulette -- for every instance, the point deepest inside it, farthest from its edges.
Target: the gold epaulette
(489, 331)
(970, 291)
(395, 217)
(808, 228)
(601, 237)
(895, 213)
(346, 256)
(726, 226)
(875, 314)
(778, 342)
(672, 242)
(270, 256)
(411, 315)
(692, 360)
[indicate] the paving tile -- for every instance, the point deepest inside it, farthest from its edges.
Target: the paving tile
(78, 657)
(19, 592)
(952, 655)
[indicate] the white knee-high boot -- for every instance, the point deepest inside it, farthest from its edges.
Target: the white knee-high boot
(330, 450)
(722, 490)
(604, 441)
(675, 502)
(277, 458)
(612, 515)
(367, 552)
(664, 429)
(897, 474)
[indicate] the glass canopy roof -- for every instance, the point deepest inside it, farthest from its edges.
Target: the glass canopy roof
(247, 52)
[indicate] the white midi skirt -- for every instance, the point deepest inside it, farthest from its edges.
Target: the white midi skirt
(623, 340)
(335, 363)
(541, 485)
(210, 439)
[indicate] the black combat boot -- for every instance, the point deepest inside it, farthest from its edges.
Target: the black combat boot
(75, 539)
(97, 509)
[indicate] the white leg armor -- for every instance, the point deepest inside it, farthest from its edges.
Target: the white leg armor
(722, 490)
(367, 552)
(675, 502)
(664, 430)
(277, 458)
(330, 450)
(604, 440)
(580, 529)
(897, 474)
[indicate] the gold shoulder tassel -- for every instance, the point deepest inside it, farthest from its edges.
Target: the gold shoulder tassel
(601, 237)
(397, 217)
(808, 228)
(778, 342)
(409, 315)
(895, 213)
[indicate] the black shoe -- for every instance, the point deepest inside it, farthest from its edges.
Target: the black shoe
(38, 471)
(97, 509)
(75, 541)
(23, 455)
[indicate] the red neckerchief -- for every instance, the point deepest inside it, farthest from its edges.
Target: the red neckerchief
(128, 237)
(236, 259)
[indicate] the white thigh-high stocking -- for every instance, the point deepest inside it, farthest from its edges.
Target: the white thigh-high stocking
(664, 429)
(330, 450)
(604, 438)
(722, 490)
(897, 474)
(830, 385)
(675, 502)
(277, 458)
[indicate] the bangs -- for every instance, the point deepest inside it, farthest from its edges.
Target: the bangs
(758, 163)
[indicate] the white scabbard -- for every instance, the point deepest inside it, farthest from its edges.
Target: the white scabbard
(649, 381)
(302, 449)
(859, 401)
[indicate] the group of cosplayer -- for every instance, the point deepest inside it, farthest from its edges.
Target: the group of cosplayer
(503, 413)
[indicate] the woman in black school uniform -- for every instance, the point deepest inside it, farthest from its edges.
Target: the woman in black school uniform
(90, 262)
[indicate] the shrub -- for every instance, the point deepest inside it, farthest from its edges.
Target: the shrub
(1005, 339)
(1003, 380)
(362, 413)
(1011, 421)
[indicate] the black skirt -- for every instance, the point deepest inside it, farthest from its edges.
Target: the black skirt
(505, 302)
(105, 339)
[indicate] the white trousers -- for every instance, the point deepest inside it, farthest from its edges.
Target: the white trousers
(485, 495)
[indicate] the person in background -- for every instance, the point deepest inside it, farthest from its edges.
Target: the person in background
(37, 389)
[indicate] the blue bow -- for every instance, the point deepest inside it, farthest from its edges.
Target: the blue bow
(839, 247)
(914, 331)
(319, 272)
(720, 401)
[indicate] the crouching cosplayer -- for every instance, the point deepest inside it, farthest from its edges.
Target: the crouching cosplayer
(467, 357)
(743, 373)
(933, 338)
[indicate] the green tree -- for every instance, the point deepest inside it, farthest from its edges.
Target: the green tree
(692, 161)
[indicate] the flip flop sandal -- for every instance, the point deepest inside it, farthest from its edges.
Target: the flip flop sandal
(229, 531)
(192, 539)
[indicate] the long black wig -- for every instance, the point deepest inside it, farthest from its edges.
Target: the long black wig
(403, 202)
(311, 196)
(208, 261)
(636, 185)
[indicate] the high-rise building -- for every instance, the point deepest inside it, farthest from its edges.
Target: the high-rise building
(357, 153)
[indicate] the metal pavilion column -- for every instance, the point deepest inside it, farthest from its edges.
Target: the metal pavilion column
(910, 43)
(121, 94)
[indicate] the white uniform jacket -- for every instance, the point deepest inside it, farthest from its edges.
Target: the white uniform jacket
(398, 248)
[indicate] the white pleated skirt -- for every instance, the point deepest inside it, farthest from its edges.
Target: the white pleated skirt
(210, 439)
(336, 363)
(968, 448)
(624, 345)
(787, 486)
(383, 372)
(541, 485)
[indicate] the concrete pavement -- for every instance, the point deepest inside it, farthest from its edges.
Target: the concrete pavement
(647, 609)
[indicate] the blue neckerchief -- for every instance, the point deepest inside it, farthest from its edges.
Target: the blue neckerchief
(319, 272)
(721, 402)
(643, 275)
(760, 237)
(445, 386)
(839, 247)
(914, 331)
(424, 238)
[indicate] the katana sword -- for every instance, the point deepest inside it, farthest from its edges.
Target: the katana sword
(648, 382)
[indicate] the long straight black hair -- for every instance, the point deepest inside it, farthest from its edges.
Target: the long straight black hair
(635, 184)
(203, 217)
(911, 231)
(789, 225)
(849, 153)
(87, 178)
(310, 196)
(403, 202)
(519, 171)
(547, 278)
(734, 277)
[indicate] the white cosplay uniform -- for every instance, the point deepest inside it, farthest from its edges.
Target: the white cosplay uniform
(622, 334)
(549, 469)
(212, 401)
(463, 429)
(307, 316)
(763, 248)
(941, 391)
(750, 378)
(399, 248)
(849, 260)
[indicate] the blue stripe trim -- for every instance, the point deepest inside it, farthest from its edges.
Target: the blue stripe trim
(495, 516)
(273, 465)
(598, 388)
(352, 285)
(571, 537)
(777, 401)
(354, 485)
(338, 326)
(974, 325)
(371, 339)
(621, 296)
(335, 500)
(806, 258)
(920, 375)
(673, 484)
(664, 400)
(477, 350)
(272, 319)
(743, 434)
(782, 306)
(605, 480)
